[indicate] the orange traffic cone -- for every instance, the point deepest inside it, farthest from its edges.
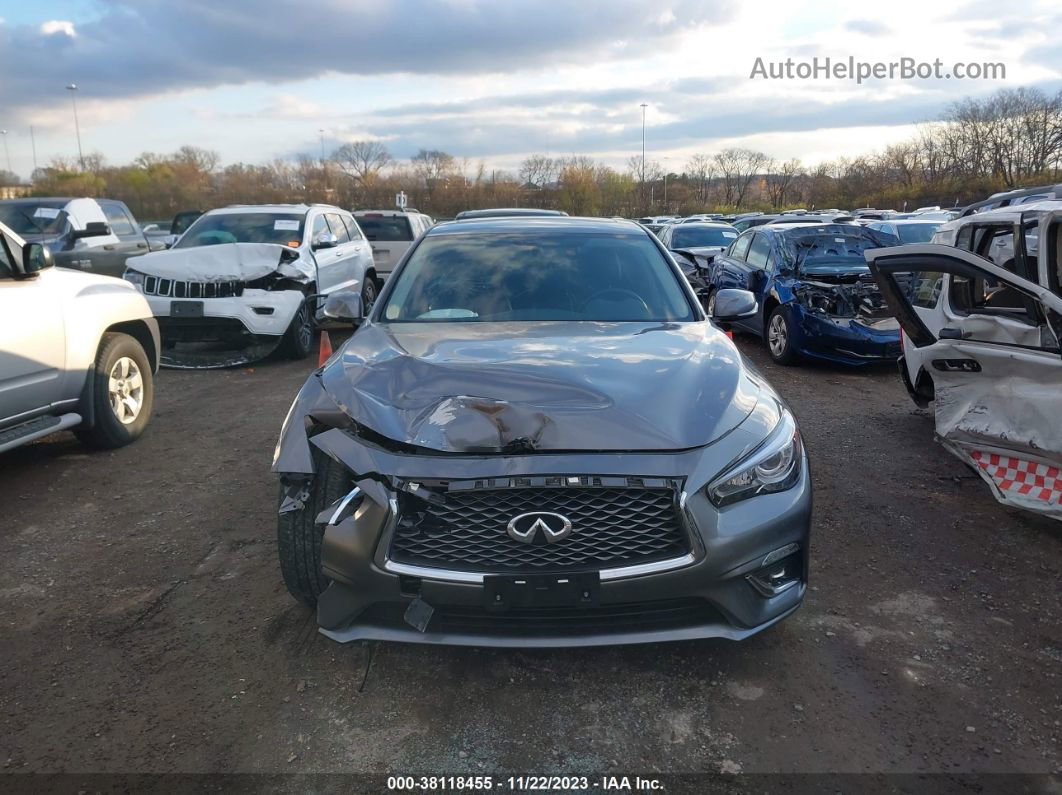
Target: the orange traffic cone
(326, 348)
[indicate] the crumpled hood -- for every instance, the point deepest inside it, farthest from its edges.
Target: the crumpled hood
(225, 262)
(518, 387)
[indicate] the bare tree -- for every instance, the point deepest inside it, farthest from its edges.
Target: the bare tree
(738, 168)
(700, 169)
(780, 181)
(362, 160)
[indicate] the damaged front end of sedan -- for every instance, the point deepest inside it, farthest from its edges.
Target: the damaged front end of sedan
(844, 315)
(226, 305)
(408, 476)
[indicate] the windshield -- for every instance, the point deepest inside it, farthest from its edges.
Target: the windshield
(915, 233)
(385, 228)
(695, 237)
(284, 229)
(539, 277)
(29, 219)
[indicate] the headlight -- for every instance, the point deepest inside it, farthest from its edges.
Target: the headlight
(773, 466)
(136, 278)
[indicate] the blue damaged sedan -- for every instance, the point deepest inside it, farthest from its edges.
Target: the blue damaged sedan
(815, 294)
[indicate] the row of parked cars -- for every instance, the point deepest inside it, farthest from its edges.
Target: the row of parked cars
(79, 349)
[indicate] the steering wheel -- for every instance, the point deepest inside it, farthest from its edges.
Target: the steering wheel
(621, 293)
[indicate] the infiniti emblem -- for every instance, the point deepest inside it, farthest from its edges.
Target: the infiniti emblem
(526, 526)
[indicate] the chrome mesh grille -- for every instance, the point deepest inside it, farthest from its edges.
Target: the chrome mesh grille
(615, 522)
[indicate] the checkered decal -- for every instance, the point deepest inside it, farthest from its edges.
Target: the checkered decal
(1018, 476)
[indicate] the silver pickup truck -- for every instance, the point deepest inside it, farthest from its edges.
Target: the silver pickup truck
(77, 351)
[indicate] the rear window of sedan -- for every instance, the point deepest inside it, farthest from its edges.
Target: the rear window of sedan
(385, 228)
(536, 277)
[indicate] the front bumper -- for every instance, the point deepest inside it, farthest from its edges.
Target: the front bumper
(705, 594)
(845, 340)
(261, 312)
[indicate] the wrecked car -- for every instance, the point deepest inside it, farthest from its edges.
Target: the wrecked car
(537, 438)
(694, 245)
(245, 281)
(981, 312)
(815, 295)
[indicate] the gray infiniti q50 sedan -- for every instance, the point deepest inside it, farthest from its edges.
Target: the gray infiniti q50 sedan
(537, 438)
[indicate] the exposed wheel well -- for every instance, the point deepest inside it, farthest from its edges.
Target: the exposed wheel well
(138, 330)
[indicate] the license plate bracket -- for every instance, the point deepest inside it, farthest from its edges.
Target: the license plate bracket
(505, 592)
(186, 308)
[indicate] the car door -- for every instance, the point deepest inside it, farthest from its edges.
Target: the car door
(347, 259)
(323, 253)
(756, 276)
(131, 241)
(996, 365)
(364, 259)
(32, 343)
(728, 270)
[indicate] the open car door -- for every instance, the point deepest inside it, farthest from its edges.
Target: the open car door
(996, 362)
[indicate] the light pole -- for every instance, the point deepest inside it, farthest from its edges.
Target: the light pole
(33, 143)
(72, 88)
(324, 168)
(644, 106)
(7, 153)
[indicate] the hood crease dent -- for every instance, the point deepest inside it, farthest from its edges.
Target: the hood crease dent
(224, 262)
(542, 387)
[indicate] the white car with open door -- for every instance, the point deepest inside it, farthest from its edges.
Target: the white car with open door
(991, 340)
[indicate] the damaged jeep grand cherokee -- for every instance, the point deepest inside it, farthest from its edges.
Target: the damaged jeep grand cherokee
(536, 438)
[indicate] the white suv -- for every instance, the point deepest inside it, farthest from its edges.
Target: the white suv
(77, 351)
(391, 233)
(245, 280)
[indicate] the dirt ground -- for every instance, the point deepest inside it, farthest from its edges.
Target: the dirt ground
(146, 628)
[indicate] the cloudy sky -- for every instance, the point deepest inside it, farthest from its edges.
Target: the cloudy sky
(492, 80)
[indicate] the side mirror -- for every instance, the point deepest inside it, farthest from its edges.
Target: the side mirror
(35, 258)
(733, 304)
(92, 229)
(344, 306)
(325, 240)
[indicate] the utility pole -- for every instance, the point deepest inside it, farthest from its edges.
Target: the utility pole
(33, 143)
(324, 167)
(72, 88)
(644, 106)
(7, 152)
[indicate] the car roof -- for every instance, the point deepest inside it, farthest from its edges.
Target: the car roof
(44, 201)
(501, 212)
(273, 208)
(1010, 212)
(709, 224)
(388, 213)
(531, 223)
(812, 228)
(907, 221)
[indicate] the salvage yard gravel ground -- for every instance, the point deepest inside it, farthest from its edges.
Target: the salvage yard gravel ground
(146, 628)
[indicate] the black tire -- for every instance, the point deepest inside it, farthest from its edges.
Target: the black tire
(780, 347)
(298, 339)
(709, 302)
(369, 291)
(299, 538)
(108, 430)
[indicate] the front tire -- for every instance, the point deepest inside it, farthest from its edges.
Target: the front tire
(299, 537)
(368, 296)
(298, 339)
(779, 337)
(122, 394)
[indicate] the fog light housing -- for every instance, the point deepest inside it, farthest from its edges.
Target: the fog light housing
(777, 574)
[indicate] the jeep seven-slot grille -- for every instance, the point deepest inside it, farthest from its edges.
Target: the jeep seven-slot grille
(173, 288)
(634, 521)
